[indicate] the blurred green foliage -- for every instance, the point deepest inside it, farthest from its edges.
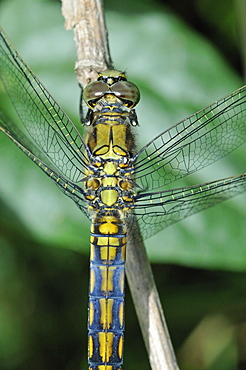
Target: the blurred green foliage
(44, 238)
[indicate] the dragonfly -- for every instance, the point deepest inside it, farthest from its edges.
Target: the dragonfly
(112, 182)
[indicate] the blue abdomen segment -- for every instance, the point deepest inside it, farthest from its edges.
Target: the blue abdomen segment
(106, 293)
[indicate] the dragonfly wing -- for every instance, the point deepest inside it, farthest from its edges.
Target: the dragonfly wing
(20, 139)
(193, 143)
(156, 211)
(43, 122)
(73, 191)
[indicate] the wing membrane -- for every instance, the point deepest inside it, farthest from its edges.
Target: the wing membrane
(43, 123)
(156, 211)
(193, 143)
(76, 193)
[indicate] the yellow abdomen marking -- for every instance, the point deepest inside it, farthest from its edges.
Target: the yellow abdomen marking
(106, 306)
(108, 253)
(121, 314)
(120, 347)
(106, 345)
(107, 274)
(109, 227)
(90, 346)
(91, 313)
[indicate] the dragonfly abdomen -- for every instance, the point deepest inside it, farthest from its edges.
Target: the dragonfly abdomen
(106, 296)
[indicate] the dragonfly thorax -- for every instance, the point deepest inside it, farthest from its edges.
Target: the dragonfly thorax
(108, 187)
(110, 143)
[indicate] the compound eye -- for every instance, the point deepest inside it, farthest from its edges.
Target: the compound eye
(126, 90)
(93, 91)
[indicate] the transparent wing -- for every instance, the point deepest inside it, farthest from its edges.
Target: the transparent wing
(73, 191)
(193, 143)
(156, 211)
(45, 126)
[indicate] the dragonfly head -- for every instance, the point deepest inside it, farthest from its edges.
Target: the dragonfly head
(111, 82)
